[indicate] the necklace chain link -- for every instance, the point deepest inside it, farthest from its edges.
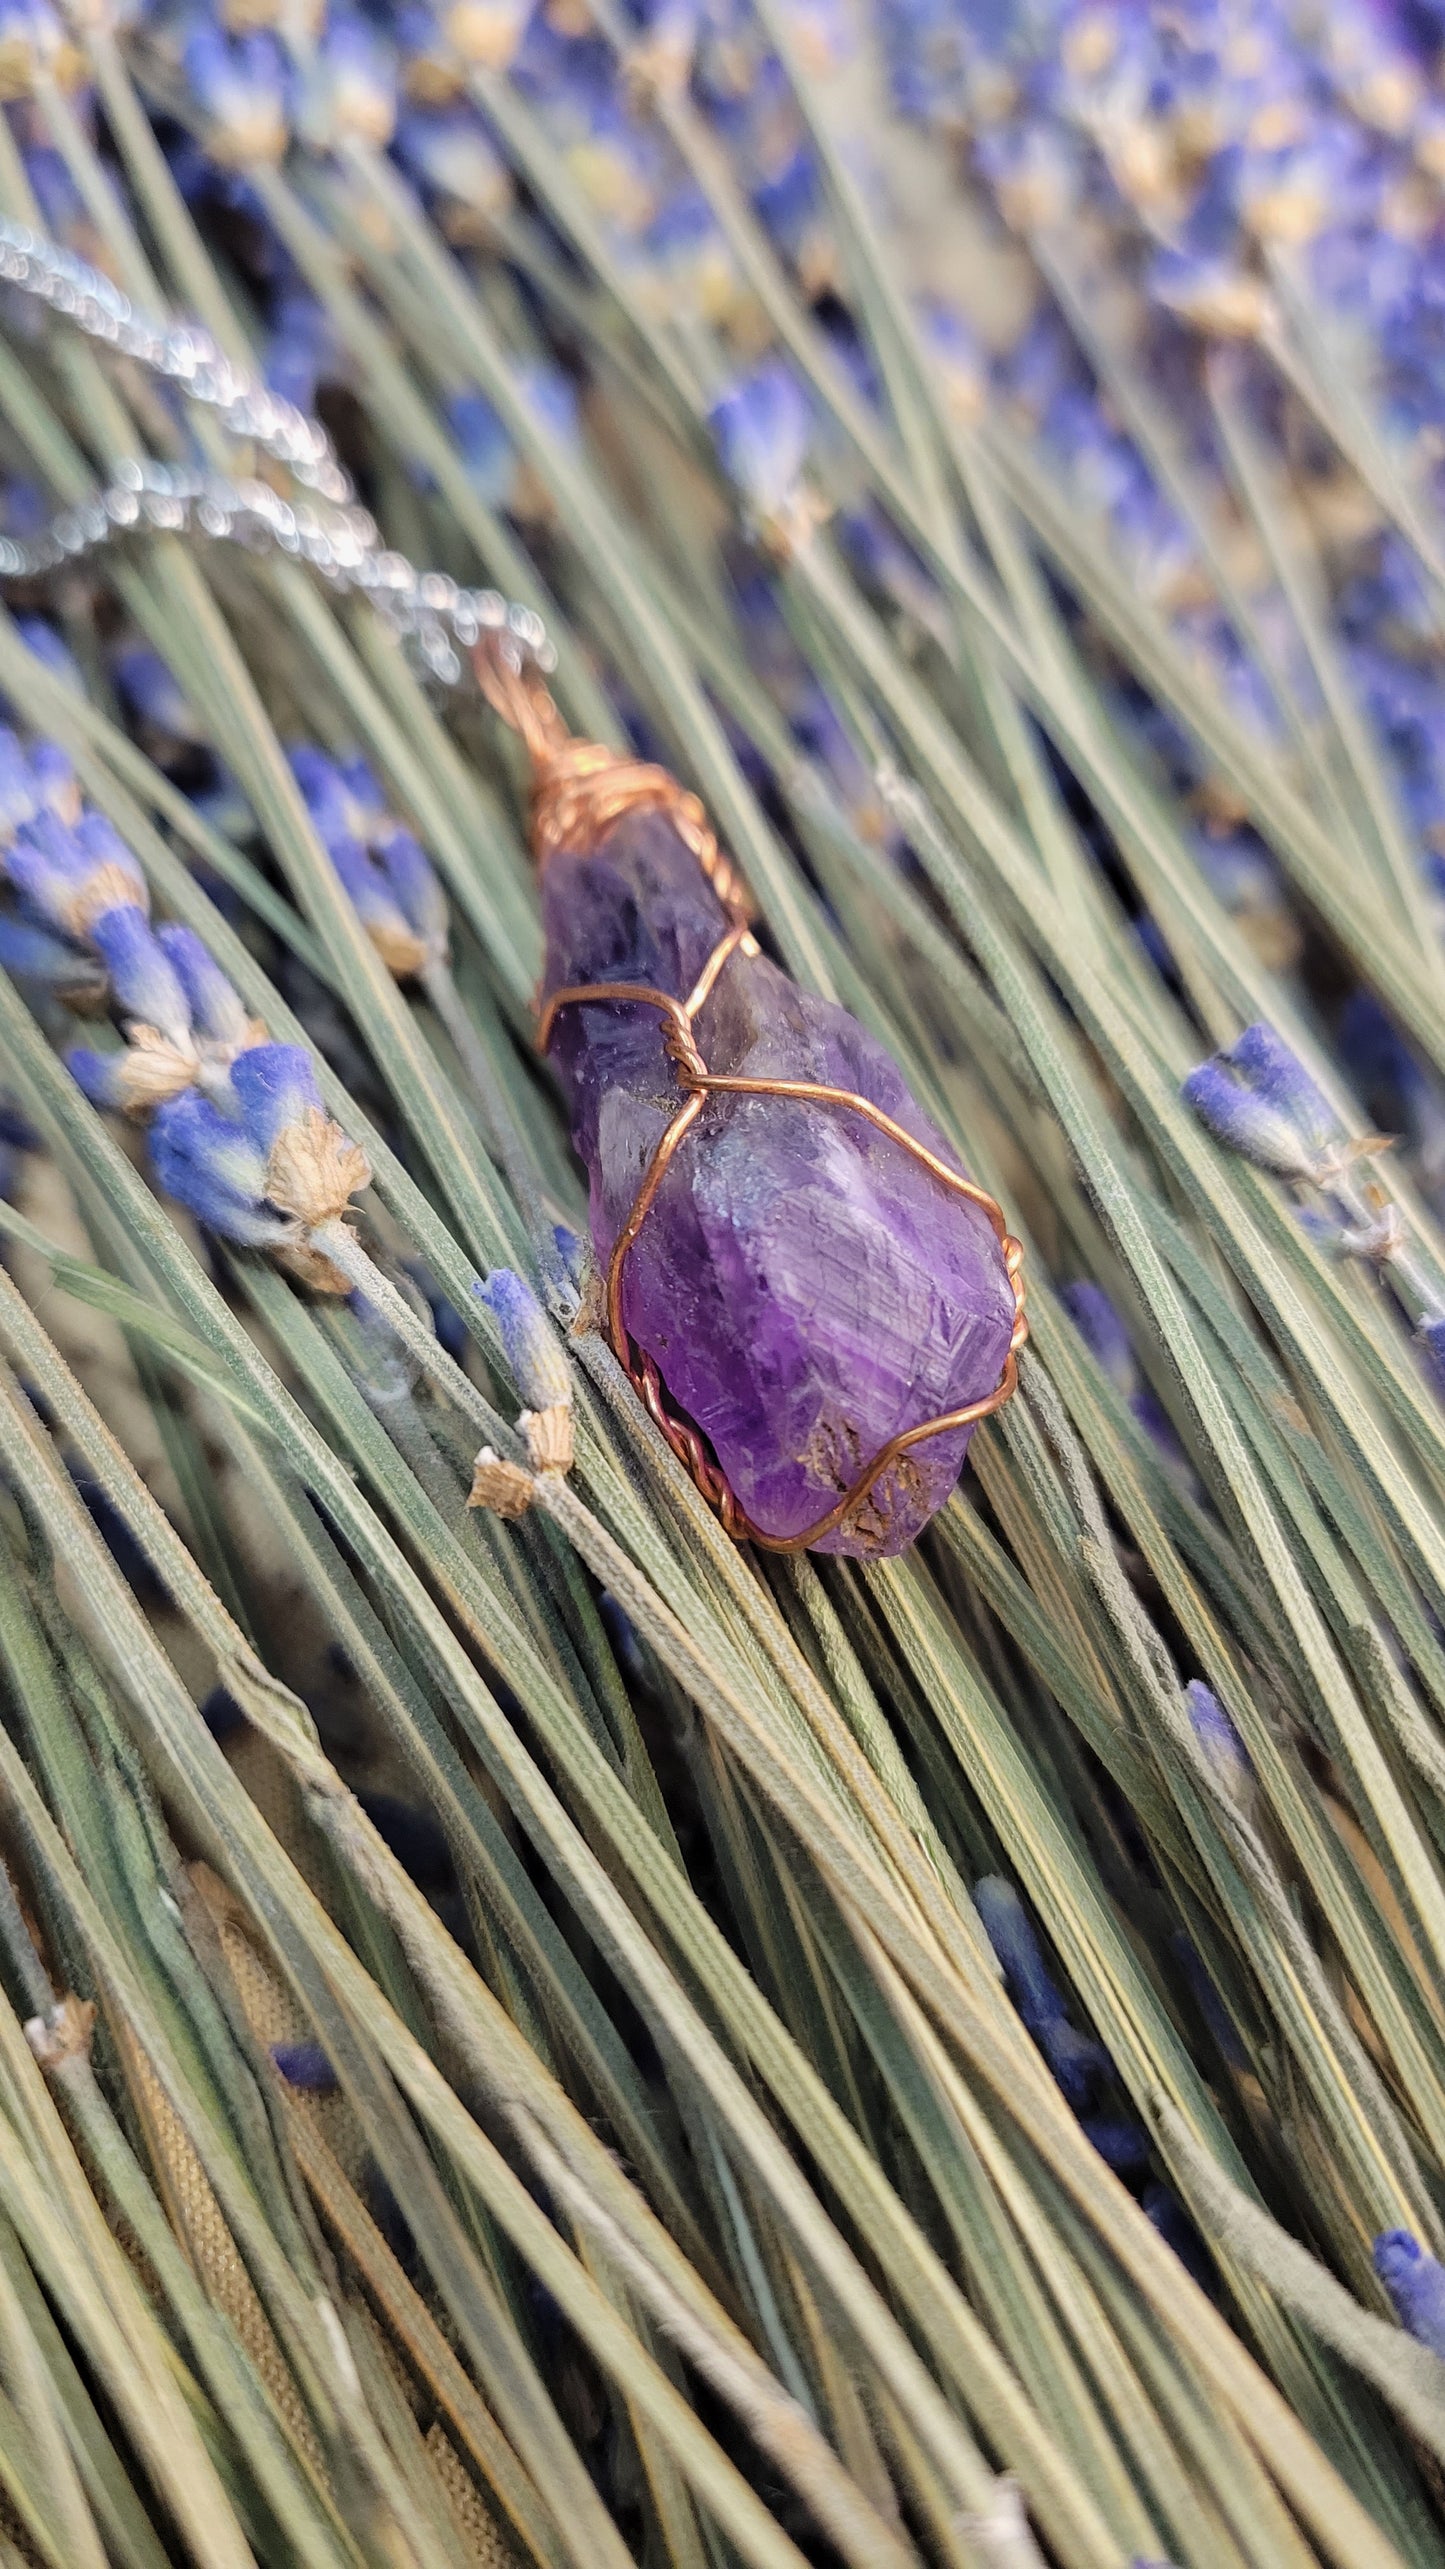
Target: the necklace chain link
(327, 528)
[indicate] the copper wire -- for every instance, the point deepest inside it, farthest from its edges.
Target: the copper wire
(580, 791)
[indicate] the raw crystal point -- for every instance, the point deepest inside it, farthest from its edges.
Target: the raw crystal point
(805, 1287)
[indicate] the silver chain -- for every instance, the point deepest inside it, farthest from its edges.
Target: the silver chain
(330, 531)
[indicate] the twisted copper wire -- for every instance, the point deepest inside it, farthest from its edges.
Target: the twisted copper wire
(580, 791)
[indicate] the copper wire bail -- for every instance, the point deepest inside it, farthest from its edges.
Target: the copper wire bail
(580, 790)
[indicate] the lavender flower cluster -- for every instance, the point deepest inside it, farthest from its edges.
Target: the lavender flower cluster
(381, 863)
(236, 1128)
(1218, 164)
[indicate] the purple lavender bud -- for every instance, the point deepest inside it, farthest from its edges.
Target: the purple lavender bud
(305, 2066)
(1245, 1122)
(1077, 2061)
(348, 93)
(62, 208)
(210, 1165)
(240, 86)
(1206, 1995)
(146, 985)
(627, 1650)
(303, 350)
(1177, 2231)
(450, 153)
(447, 1321)
(1266, 1062)
(1220, 1741)
(18, 799)
(368, 802)
(275, 1087)
(388, 879)
(493, 465)
(572, 1253)
(1415, 2282)
(762, 427)
(373, 895)
(221, 1713)
(1011, 1935)
(72, 876)
(1431, 1335)
(1035, 173)
(539, 1368)
(25, 508)
(1210, 290)
(1327, 1229)
(412, 878)
(552, 395)
(101, 847)
(47, 646)
(358, 876)
(216, 1010)
(1042, 363)
(33, 954)
(788, 202)
(414, 1837)
(53, 780)
(100, 1076)
(323, 790)
(925, 50)
(675, 26)
(151, 694)
(487, 450)
(1122, 2144)
(1103, 1332)
(685, 251)
(618, 160)
(957, 358)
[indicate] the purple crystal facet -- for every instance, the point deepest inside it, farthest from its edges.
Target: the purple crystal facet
(805, 1287)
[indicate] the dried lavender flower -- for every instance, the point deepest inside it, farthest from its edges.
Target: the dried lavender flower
(1259, 1100)
(388, 877)
(184, 1023)
(272, 1174)
(763, 428)
(1227, 1756)
(1415, 2282)
(542, 1374)
(1077, 2061)
(306, 2067)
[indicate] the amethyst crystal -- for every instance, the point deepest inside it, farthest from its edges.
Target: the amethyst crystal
(805, 1287)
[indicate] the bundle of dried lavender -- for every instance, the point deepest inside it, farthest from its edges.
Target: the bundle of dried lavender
(573, 2037)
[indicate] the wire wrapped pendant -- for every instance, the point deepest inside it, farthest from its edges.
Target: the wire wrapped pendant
(813, 1301)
